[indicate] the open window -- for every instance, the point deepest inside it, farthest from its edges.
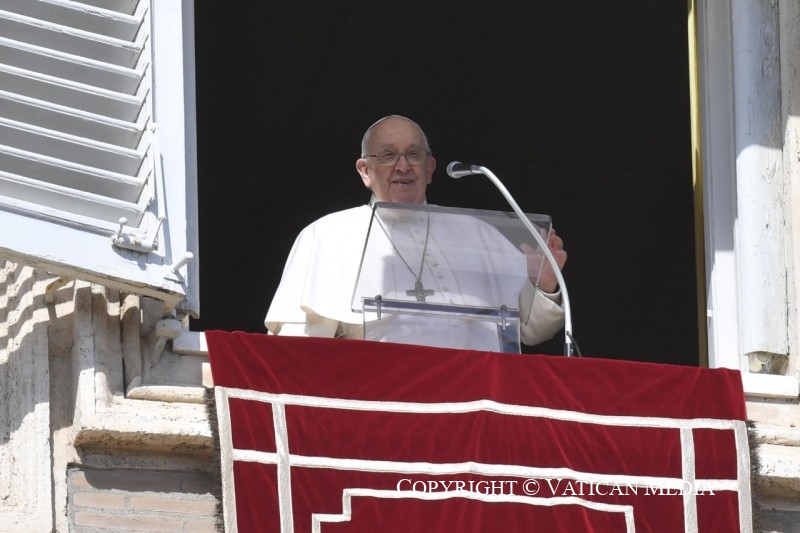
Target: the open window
(97, 143)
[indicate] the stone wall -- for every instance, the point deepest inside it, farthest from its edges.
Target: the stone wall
(102, 427)
(25, 452)
(776, 432)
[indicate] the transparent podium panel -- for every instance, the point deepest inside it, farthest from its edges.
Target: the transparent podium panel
(447, 277)
(442, 326)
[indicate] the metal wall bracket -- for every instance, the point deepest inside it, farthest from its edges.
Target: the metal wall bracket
(134, 242)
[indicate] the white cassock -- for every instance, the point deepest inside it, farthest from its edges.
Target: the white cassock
(316, 293)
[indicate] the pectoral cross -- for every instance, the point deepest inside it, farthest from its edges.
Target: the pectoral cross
(419, 291)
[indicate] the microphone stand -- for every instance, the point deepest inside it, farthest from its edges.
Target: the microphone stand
(569, 348)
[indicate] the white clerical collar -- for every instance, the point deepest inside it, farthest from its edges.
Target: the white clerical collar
(373, 199)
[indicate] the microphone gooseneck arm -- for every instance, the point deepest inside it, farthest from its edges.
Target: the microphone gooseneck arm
(458, 170)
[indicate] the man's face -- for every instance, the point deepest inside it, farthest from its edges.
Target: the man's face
(402, 182)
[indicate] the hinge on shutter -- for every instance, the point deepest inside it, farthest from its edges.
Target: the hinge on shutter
(129, 241)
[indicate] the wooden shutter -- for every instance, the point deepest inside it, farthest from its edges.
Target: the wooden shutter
(97, 153)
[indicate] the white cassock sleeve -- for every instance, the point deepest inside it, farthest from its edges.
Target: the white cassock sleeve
(541, 315)
(316, 289)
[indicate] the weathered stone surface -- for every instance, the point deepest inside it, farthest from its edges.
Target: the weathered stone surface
(76, 452)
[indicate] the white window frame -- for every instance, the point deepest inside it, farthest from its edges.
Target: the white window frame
(715, 63)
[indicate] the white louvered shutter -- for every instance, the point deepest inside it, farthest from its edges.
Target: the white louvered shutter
(97, 142)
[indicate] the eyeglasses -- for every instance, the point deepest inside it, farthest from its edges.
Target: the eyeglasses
(389, 158)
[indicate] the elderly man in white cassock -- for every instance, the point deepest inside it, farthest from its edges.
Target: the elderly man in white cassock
(315, 293)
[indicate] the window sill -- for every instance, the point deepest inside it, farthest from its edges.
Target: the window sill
(768, 386)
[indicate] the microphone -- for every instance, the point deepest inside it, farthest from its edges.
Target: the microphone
(457, 169)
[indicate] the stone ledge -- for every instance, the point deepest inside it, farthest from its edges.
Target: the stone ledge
(780, 471)
(166, 393)
(778, 440)
(154, 425)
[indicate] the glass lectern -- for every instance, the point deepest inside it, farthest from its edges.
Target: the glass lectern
(446, 277)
